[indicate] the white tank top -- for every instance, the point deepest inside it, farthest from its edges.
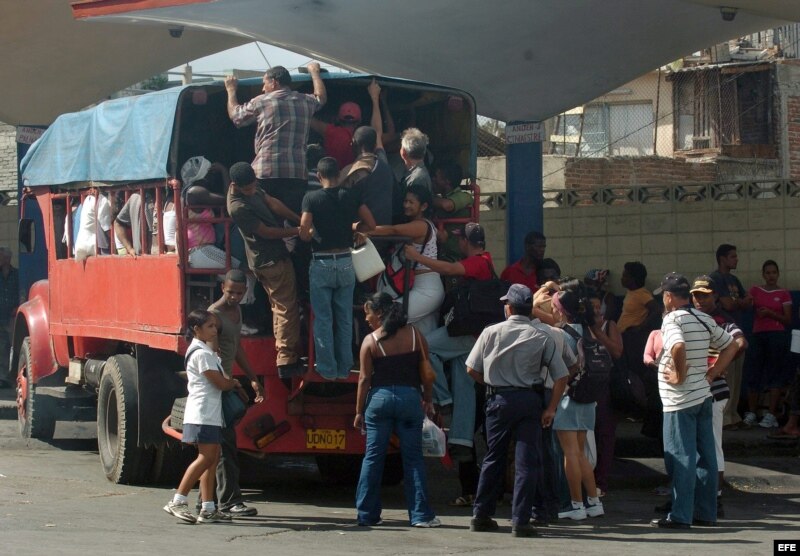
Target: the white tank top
(430, 249)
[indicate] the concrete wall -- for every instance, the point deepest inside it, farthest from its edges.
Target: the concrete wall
(677, 237)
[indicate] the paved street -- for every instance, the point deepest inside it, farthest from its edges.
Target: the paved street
(54, 499)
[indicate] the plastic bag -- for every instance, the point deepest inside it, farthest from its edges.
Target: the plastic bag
(434, 442)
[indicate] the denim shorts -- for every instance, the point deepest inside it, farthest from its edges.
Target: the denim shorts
(201, 434)
(574, 416)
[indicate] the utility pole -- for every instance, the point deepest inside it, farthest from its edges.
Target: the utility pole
(186, 78)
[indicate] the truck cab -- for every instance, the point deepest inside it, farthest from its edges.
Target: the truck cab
(101, 337)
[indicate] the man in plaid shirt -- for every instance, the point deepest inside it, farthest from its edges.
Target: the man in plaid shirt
(283, 118)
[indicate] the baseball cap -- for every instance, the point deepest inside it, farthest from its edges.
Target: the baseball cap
(702, 284)
(194, 169)
(518, 294)
(673, 283)
(472, 232)
(350, 111)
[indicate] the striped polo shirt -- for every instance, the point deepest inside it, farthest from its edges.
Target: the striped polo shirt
(692, 329)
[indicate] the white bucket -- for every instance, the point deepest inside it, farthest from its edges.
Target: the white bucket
(367, 262)
(795, 345)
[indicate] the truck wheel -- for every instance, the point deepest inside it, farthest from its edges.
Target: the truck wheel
(118, 423)
(35, 414)
(176, 417)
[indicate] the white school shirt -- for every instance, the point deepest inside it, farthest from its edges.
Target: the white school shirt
(204, 404)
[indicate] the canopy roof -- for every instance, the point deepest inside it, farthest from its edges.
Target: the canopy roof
(521, 59)
(133, 138)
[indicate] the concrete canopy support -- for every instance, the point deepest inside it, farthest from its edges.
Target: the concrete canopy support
(523, 192)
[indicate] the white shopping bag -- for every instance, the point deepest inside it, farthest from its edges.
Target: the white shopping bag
(434, 442)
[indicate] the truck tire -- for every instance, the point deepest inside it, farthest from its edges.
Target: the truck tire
(176, 417)
(36, 414)
(118, 423)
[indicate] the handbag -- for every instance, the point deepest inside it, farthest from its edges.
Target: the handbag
(427, 375)
(397, 273)
(233, 408)
(366, 261)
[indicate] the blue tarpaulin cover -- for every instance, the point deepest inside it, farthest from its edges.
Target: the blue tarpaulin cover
(97, 144)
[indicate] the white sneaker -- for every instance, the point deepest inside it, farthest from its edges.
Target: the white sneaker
(181, 511)
(575, 514)
(750, 419)
(768, 421)
(429, 524)
(594, 510)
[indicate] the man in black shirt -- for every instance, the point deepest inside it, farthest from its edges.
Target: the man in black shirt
(734, 300)
(327, 222)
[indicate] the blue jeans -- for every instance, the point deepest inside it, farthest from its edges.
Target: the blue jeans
(455, 349)
(691, 462)
(332, 282)
(398, 409)
(514, 415)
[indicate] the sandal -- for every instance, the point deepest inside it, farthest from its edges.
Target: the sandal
(462, 501)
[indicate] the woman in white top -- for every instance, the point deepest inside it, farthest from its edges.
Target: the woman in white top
(427, 293)
(202, 421)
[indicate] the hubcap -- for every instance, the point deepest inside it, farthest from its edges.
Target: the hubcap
(22, 394)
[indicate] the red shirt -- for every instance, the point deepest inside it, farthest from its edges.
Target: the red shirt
(517, 275)
(478, 267)
(774, 300)
(338, 144)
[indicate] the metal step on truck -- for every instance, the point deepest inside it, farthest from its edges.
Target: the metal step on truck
(101, 336)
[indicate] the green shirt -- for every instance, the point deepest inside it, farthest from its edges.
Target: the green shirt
(461, 200)
(248, 212)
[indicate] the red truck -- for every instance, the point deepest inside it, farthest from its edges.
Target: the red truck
(102, 338)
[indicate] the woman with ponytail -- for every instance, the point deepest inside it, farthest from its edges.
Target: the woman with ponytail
(392, 398)
(574, 419)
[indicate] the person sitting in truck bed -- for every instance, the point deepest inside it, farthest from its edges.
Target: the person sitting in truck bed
(450, 201)
(128, 221)
(203, 183)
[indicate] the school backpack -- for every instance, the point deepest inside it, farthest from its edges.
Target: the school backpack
(475, 304)
(594, 368)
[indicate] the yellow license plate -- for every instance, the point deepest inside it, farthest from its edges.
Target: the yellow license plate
(325, 439)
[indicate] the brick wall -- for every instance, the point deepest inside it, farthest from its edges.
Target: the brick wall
(593, 172)
(8, 158)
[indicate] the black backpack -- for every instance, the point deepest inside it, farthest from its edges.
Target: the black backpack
(475, 304)
(595, 366)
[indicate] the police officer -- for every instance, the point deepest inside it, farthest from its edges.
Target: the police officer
(511, 359)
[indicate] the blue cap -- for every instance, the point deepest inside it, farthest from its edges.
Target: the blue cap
(518, 295)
